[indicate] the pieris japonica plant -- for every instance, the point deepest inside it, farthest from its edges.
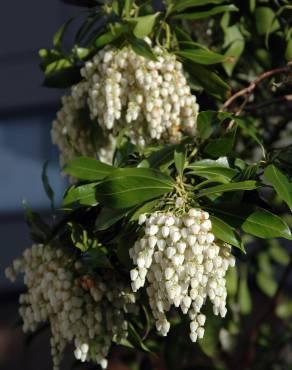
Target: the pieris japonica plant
(173, 237)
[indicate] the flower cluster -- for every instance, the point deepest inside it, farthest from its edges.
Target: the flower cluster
(151, 100)
(183, 265)
(88, 310)
(73, 131)
(121, 91)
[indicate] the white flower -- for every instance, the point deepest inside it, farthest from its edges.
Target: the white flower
(186, 266)
(78, 308)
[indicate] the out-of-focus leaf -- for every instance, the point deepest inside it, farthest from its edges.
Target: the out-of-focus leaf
(266, 283)
(244, 298)
(266, 20)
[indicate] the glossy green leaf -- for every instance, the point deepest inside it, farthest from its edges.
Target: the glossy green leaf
(181, 5)
(208, 13)
(255, 221)
(136, 340)
(212, 171)
(201, 56)
(141, 47)
(83, 194)
(127, 187)
(280, 182)
(233, 186)
(86, 168)
(265, 224)
(180, 160)
(108, 217)
(226, 233)
(248, 127)
(144, 25)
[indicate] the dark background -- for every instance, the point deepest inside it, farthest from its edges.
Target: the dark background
(26, 112)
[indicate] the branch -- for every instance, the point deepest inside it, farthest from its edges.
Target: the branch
(247, 91)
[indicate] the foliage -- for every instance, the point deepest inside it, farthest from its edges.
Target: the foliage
(238, 168)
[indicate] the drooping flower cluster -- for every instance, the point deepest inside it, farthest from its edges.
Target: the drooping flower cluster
(148, 100)
(183, 265)
(88, 310)
(75, 134)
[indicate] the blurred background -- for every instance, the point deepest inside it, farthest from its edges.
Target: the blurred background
(26, 112)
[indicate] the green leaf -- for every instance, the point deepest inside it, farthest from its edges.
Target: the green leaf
(110, 36)
(266, 20)
(83, 194)
(97, 258)
(212, 171)
(226, 233)
(231, 281)
(58, 36)
(39, 230)
(221, 146)
(265, 224)
(127, 7)
(141, 47)
(206, 123)
(280, 182)
(233, 186)
(144, 25)
(244, 298)
(185, 4)
(248, 127)
(126, 187)
(209, 80)
(278, 253)
(45, 180)
(86, 168)
(208, 13)
(201, 56)
(254, 221)
(266, 283)
(108, 217)
(233, 54)
(284, 310)
(160, 158)
(136, 340)
(180, 160)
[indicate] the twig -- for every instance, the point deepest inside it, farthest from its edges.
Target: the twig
(247, 91)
